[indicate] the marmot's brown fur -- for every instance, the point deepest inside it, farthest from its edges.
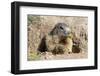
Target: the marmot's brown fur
(53, 42)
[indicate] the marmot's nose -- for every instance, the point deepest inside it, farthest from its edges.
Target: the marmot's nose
(65, 33)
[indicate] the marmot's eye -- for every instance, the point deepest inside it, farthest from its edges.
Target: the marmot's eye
(61, 27)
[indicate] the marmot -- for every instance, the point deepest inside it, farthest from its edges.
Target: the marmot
(51, 41)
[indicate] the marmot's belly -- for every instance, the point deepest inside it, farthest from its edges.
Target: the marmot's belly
(69, 45)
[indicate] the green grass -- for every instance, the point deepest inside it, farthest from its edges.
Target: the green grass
(33, 56)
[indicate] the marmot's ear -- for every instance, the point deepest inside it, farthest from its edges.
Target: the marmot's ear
(42, 46)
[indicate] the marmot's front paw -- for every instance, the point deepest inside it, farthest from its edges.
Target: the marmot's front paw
(59, 49)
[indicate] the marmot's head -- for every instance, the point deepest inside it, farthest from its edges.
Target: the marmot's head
(60, 29)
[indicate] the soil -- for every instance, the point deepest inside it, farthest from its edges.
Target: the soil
(49, 56)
